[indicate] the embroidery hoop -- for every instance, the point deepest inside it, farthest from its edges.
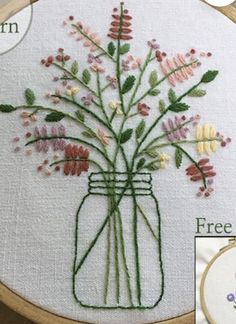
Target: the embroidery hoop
(39, 315)
(231, 245)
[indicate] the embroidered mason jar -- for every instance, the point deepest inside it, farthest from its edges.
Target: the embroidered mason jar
(118, 261)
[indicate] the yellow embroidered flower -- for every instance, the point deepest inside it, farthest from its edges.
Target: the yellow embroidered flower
(75, 90)
(164, 158)
(72, 91)
(206, 135)
(69, 92)
(116, 105)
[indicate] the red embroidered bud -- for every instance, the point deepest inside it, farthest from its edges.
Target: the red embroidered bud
(78, 157)
(120, 25)
(143, 109)
(203, 171)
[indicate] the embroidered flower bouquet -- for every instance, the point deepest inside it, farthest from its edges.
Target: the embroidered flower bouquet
(122, 138)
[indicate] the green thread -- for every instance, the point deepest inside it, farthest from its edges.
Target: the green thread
(147, 223)
(112, 186)
(75, 78)
(94, 43)
(124, 259)
(108, 261)
(116, 252)
(194, 162)
(76, 139)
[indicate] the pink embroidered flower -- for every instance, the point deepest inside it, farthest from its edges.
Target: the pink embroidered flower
(112, 81)
(87, 100)
(153, 44)
(80, 156)
(176, 127)
(97, 68)
(48, 61)
(121, 28)
(131, 63)
(93, 59)
(103, 136)
(58, 144)
(176, 62)
(143, 109)
(95, 39)
(44, 145)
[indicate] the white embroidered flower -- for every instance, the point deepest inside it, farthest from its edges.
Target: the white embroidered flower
(116, 105)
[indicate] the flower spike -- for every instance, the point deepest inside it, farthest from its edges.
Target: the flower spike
(121, 25)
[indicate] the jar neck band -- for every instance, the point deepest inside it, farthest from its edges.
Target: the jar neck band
(119, 183)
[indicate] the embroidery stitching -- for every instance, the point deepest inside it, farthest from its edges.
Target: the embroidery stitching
(109, 182)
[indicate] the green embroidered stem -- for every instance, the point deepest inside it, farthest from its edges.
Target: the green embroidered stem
(116, 252)
(185, 142)
(139, 82)
(94, 43)
(194, 162)
(42, 108)
(157, 121)
(76, 139)
(92, 244)
(135, 229)
(147, 222)
(108, 261)
(34, 112)
(162, 80)
(106, 87)
(124, 258)
(90, 112)
(101, 99)
(118, 69)
(75, 78)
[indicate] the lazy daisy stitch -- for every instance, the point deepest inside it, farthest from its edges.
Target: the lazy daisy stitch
(123, 156)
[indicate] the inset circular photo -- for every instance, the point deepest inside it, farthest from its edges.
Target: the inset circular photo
(13, 30)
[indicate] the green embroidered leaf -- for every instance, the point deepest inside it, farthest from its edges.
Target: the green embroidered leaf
(153, 79)
(89, 133)
(178, 107)
(80, 116)
(29, 97)
(140, 163)
(152, 153)
(54, 116)
(86, 77)
(154, 92)
(124, 49)
(172, 96)
(209, 76)
(74, 68)
(178, 157)
(140, 129)
(197, 93)
(126, 135)
(111, 48)
(128, 84)
(7, 108)
(153, 166)
(162, 106)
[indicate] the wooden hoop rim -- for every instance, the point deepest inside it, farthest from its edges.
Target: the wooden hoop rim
(209, 265)
(41, 316)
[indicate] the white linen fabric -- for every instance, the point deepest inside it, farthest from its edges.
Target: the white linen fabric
(37, 214)
(219, 283)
